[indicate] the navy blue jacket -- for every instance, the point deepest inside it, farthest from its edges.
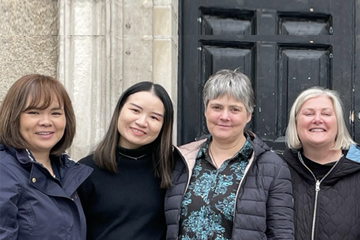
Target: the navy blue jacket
(33, 204)
(264, 204)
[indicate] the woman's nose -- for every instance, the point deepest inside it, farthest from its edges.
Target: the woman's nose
(141, 121)
(225, 115)
(317, 118)
(45, 120)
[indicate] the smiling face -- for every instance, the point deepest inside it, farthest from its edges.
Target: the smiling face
(42, 129)
(317, 123)
(226, 119)
(140, 120)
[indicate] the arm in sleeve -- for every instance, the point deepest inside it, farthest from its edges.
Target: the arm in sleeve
(9, 197)
(279, 209)
(86, 194)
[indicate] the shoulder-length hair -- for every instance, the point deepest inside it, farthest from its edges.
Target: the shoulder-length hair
(41, 91)
(231, 83)
(343, 139)
(105, 152)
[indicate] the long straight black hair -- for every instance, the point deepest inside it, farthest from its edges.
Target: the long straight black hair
(105, 152)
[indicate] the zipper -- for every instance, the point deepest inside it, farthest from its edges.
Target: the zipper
(241, 182)
(317, 190)
(188, 180)
(183, 195)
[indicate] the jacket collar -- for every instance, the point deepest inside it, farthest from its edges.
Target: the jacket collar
(354, 153)
(189, 151)
(72, 174)
(347, 165)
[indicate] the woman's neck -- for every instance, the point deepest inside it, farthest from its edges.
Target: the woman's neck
(322, 156)
(226, 150)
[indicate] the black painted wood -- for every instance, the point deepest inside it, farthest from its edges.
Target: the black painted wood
(284, 46)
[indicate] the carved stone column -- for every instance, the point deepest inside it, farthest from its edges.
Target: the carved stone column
(91, 65)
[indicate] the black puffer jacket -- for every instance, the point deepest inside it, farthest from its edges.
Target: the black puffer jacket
(336, 212)
(264, 206)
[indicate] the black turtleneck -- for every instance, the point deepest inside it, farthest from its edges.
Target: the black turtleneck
(127, 205)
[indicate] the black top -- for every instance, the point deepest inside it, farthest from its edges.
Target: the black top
(331, 209)
(128, 205)
(319, 170)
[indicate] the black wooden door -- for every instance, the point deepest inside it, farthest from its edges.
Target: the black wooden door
(284, 46)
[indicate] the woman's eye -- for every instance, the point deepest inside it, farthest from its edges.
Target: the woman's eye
(154, 117)
(32, 112)
(135, 110)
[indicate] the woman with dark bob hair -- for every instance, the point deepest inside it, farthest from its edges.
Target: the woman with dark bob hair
(325, 167)
(38, 180)
(124, 196)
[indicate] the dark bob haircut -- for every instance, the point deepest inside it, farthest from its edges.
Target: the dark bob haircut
(41, 91)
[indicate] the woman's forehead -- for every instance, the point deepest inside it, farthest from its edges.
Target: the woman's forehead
(43, 100)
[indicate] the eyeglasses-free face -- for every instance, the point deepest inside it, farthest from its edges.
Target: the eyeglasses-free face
(140, 120)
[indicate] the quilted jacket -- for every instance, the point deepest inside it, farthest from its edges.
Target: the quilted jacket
(36, 206)
(329, 208)
(264, 206)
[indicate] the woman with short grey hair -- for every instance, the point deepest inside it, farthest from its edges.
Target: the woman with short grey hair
(229, 185)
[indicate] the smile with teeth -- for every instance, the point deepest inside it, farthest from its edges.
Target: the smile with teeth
(137, 131)
(317, 130)
(44, 133)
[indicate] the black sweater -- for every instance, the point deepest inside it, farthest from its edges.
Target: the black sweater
(128, 205)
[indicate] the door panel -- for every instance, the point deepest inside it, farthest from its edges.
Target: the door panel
(283, 46)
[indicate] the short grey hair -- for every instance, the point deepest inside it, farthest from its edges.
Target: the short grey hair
(232, 83)
(343, 139)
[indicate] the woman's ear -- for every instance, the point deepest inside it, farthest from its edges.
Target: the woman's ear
(248, 117)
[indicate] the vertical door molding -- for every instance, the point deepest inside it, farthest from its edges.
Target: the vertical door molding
(355, 115)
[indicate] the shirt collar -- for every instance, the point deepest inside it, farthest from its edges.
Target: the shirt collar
(244, 153)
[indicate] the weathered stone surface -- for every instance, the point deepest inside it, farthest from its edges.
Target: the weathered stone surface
(96, 48)
(28, 39)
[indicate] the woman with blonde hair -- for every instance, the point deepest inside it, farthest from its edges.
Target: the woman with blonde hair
(325, 166)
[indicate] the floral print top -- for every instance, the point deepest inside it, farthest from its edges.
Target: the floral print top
(208, 205)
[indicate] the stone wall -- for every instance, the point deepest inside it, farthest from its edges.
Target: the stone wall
(96, 48)
(28, 39)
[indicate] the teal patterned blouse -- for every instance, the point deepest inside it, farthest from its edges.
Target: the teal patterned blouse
(209, 202)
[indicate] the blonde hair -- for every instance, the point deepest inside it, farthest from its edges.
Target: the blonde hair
(343, 139)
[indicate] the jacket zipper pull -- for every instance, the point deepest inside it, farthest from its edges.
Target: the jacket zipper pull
(317, 188)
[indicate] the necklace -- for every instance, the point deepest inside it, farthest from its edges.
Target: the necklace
(212, 158)
(131, 157)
